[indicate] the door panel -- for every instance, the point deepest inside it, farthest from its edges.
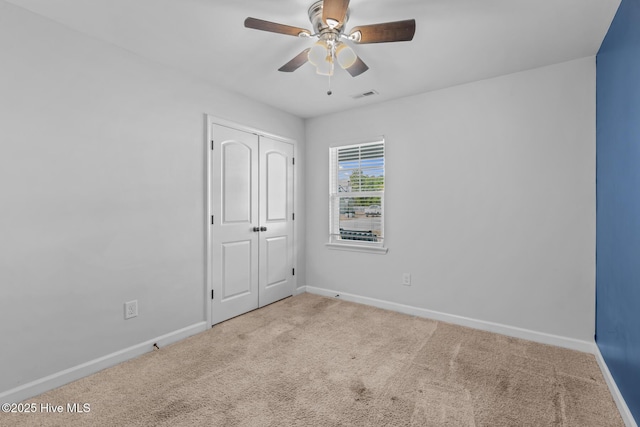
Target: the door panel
(236, 182)
(234, 204)
(276, 210)
(236, 269)
(276, 264)
(276, 197)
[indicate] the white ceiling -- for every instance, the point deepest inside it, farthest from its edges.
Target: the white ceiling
(456, 41)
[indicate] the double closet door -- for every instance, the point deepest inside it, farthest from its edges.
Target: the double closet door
(252, 232)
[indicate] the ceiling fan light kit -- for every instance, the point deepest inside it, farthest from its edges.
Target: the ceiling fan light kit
(328, 19)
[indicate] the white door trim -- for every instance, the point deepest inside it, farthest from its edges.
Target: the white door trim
(209, 122)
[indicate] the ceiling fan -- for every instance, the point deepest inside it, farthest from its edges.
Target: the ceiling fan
(328, 19)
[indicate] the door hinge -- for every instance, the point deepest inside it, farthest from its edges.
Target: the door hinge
(212, 291)
(293, 216)
(212, 144)
(212, 220)
(293, 160)
(293, 271)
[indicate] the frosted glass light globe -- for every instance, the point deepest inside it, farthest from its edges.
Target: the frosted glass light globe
(318, 53)
(346, 56)
(325, 68)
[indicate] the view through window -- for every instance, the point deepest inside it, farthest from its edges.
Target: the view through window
(357, 193)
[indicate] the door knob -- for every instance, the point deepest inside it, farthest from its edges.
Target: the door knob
(256, 229)
(263, 228)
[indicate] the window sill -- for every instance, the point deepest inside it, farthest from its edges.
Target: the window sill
(357, 248)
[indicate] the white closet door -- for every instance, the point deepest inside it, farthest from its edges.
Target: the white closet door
(276, 220)
(235, 243)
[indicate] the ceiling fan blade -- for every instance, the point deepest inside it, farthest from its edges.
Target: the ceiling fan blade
(334, 10)
(296, 62)
(357, 68)
(259, 24)
(399, 31)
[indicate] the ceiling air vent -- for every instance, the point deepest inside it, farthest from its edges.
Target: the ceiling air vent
(365, 94)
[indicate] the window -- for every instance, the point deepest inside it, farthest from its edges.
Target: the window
(356, 196)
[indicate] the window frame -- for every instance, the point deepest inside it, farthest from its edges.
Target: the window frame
(335, 195)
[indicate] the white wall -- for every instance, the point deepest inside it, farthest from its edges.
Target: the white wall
(490, 201)
(102, 165)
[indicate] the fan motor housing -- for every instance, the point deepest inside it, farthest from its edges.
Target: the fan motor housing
(319, 26)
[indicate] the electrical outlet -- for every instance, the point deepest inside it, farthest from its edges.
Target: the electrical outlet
(406, 279)
(130, 309)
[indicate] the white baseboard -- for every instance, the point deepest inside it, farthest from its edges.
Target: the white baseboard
(300, 290)
(627, 417)
(58, 379)
(512, 331)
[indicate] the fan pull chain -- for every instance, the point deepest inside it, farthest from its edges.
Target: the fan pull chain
(329, 91)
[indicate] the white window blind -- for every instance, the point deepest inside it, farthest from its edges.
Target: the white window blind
(357, 194)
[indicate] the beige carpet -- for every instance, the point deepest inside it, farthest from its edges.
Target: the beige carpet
(315, 361)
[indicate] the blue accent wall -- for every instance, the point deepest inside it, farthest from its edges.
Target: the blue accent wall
(618, 202)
